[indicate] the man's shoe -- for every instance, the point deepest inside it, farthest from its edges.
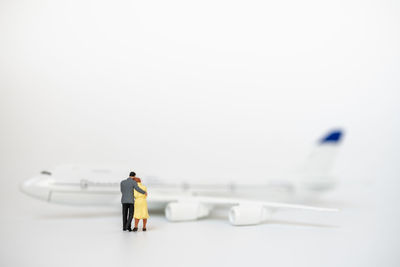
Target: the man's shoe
(134, 229)
(124, 229)
(130, 230)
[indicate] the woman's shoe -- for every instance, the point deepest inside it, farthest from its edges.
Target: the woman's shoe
(134, 229)
(144, 229)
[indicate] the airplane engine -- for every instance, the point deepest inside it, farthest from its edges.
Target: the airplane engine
(179, 211)
(248, 214)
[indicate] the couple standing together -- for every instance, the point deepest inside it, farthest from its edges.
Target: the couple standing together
(134, 203)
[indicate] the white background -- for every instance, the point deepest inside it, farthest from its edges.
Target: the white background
(236, 90)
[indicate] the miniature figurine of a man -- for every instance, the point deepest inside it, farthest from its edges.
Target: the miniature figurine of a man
(128, 200)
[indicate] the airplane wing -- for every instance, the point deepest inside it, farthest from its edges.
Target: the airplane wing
(242, 212)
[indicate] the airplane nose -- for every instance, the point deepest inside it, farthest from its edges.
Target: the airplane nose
(37, 187)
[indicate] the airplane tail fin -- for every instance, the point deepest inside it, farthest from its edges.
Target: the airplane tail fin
(317, 172)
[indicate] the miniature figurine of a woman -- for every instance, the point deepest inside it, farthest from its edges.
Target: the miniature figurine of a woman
(141, 211)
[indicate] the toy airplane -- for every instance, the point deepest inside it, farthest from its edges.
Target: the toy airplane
(80, 185)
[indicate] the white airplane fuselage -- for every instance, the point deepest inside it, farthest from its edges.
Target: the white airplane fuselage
(91, 192)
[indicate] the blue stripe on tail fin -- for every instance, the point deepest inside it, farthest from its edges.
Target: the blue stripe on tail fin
(332, 137)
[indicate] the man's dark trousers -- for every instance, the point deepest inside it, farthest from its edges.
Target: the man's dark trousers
(127, 218)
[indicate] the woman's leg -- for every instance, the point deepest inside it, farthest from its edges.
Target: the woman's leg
(144, 223)
(136, 223)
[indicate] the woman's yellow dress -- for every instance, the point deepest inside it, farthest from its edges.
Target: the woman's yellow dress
(141, 211)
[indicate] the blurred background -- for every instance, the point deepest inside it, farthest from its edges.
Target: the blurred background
(235, 90)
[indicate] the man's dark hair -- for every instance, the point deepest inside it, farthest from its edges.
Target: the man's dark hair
(132, 174)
